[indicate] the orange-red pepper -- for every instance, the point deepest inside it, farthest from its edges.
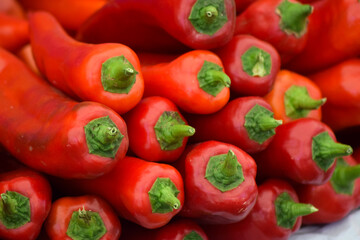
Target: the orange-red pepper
(14, 32)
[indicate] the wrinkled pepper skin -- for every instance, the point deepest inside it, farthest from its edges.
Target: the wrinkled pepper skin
(262, 222)
(37, 190)
(205, 201)
(324, 48)
(340, 85)
(290, 154)
(45, 129)
(260, 81)
(14, 32)
(158, 26)
(311, 108)
(70, 13)
(263, 20)
(154, 142)
(93, 209)
(228, 125)
(332, 205)
(127, 188)
(178, 81)
(81, 70)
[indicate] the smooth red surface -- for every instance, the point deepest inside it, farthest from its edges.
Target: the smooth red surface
(14, 32)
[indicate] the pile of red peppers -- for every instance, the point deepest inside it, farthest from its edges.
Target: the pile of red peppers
(177, 120)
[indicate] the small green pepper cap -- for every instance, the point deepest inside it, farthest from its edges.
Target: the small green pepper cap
(256, 62)
(192, 236)
(163, 196)
(14, 210)
(344, 177)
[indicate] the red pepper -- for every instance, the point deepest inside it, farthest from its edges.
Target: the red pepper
(25, 202)
(246, 122)
(303, 150)
(195, 82)
(282, 23)
(14, 32)
(70, 13)
(12, 8)
(162, 26)
(157, 130)
(49, 132)
(106, 73)
(295, 96)
(340, 85)
(251, 64)
(336, 198)
(219, 181)
(276, 215)
(334, 28)
(83, 217)
(147, 193)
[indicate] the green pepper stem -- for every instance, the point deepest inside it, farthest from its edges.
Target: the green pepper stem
(347, 174)
(7, 204)
(259, 67)
(267, 123)
(107, 134)
(335, 149)
(229, 166)
(209, 13)
(300, 209)
(215, 76)
(307, 102)
(168, 198)
(181, 130)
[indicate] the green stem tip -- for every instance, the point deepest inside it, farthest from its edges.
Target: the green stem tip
(256, 62)
(342, 180)
(14, 210)
(163, 196)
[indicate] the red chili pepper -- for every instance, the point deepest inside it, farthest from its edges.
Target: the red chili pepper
(340, 85)
(147, 193)
(303, 150)
(219, 180)
(83, 217)
(106, 73)
(336, 198)
(334, 28)
(12, 8)
(295, 96)
(251, 64)
(276, 215)
(246, 122)
(25, 202)
(157, 130)
(71, 14)
(49, 132)
(282, 23)
(195, 82)
(162, 26)
(14, 32)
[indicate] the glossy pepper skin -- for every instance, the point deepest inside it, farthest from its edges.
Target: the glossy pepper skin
(157, 130)
(336, 198)
(219, 180)
(147, 193)
(82, 217)
(251, 64)
(246, 122)
(303, 150)
(70, 13)
(105, 73)
(14, 32)
(28, 195)
(276, 215)
(340, 85)
(295, 96)
(162, 26)
(194, 81)
(282, 23)
(51, 133)
(324, 48)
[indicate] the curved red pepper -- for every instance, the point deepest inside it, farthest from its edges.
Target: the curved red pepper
(276, 214)
(246, 122)
(282, 23)
(194, 81)
(295, 96)
(303, 150)
(147, 193)
(340, 85)
(157, 130)
(251, 64)
(105, 73)
(336, 198)
(52, 133)
(25, 203)
(88, 217)
(14, 32)
(162, 26)
(219, 181)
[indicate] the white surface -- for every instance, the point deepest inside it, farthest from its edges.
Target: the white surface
(345, 229)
